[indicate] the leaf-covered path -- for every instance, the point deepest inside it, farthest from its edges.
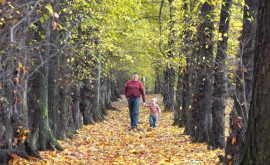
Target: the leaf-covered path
(111, 142)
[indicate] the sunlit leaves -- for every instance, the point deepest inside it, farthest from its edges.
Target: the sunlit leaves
(49, 8)
(41, 19)
(22, 135)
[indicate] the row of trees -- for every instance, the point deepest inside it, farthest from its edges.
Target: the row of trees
(64, 62)
(218, 67)
(55, 74)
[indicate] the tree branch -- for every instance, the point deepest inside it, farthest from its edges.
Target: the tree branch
(160, 27)
(18, 23)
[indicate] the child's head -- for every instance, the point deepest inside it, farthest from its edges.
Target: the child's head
(153, 100)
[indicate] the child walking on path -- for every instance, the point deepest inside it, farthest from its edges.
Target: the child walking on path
(154, 110)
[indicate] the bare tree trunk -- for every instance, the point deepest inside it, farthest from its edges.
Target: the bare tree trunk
(42, 135)
(256, 149)
(63, 106)
(220, 85)
(169, 73)
(53, 95)
(14, 63)
(188, 74)
(85, 106)
(203, 91)
(76, 113)
(188, 95)
(178, 113)
(185, 98)
(95, 99)
(243, 81)
(168, 90)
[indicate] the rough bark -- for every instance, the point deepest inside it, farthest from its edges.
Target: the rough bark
(256, 149)
(53, 95)
(220, 85)
(42, 136)
(76, 113)
(63, 98)
(243, 81)
(188, 74)
(168, 90)
(203, 91)
(85, 105)
(14, 59)
(7, 116)
(191, 95)
(95, 92)
(185, 97)
(169, 73)
(178, 113)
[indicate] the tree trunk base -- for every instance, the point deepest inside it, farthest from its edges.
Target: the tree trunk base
(31, 150)
(176, 123)
(111, 108)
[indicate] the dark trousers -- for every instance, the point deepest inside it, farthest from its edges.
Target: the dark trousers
(134, 105)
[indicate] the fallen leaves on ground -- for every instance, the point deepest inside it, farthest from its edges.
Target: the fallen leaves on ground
(110, 142)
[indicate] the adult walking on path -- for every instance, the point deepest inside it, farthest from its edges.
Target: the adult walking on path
(133, 90)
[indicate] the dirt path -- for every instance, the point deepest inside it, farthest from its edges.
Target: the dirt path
(110, 142)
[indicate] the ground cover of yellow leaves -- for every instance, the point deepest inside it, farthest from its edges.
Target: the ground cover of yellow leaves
(110, 142)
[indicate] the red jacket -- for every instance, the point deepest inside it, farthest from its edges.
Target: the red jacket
(134, 89)
(154, 108)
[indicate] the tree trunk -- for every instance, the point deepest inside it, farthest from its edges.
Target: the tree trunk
(85, 105)
(108, 92)
(168, 91)
(256, 149)
(243, 81)
(202, 97)
(76, 113)
(13, 87)
(7, 115)
(185, 98)
(42, 136)
(188, 77)
(63, 106)
(169, 73)
(54, 79)
(53, 95)
(178, 113)
(220, 85)
(95, 92)
(189, 94)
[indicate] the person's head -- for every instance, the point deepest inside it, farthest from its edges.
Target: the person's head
(135, 76)
(153, 100)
